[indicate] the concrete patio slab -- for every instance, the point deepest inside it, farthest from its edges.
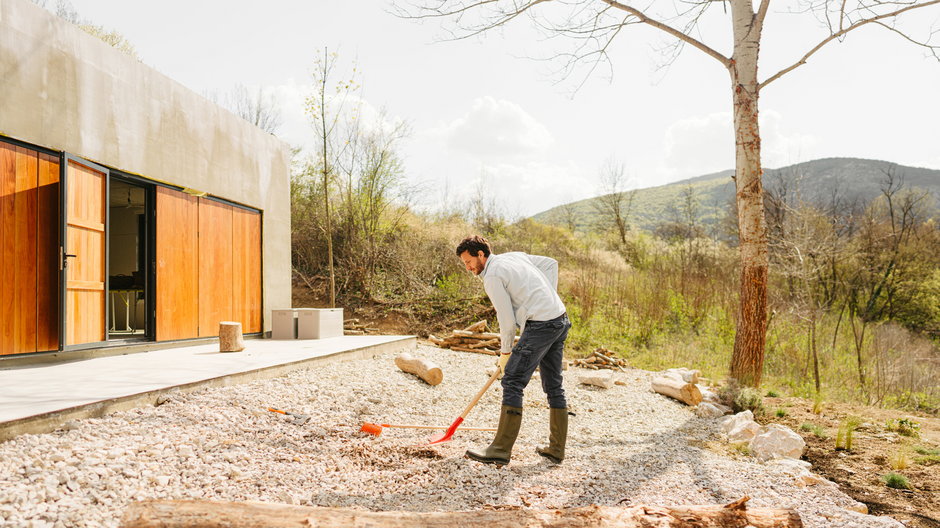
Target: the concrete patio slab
(39, 398)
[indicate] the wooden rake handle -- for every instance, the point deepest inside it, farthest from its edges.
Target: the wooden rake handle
(479, 395)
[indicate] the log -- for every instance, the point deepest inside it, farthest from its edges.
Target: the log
(687, 393)
(477, 350)
(230, 337)
(478, 326)
(485, 344)
(206, 514)
(420, 367)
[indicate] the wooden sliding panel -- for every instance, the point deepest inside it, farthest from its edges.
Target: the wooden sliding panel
(47, 254)
(177, 311)
(7, 249)
(246, 272)
(86, 273)
(29, 222)
(24, 269)
(215, 266)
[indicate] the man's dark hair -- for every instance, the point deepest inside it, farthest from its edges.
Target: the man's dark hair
(474, 245)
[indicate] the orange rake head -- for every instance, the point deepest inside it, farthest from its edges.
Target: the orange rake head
(371, 428)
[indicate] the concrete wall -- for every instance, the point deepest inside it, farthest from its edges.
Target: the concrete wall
(66, 90)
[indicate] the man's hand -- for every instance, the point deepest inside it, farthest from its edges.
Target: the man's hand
(501, 363)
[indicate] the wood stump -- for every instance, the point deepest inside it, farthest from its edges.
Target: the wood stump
(230, 337)
(205, 514)
(420, 367)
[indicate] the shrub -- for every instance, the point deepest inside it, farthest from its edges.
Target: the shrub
(773, 394)
(780, 413)
(896, 481)
(904, 427)
(929, 458)
(741, 398)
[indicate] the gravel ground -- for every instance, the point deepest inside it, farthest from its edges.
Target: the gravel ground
(626, 445)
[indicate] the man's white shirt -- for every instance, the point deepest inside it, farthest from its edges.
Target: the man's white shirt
(521, 287)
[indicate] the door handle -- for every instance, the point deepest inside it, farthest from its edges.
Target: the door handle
(63, 258)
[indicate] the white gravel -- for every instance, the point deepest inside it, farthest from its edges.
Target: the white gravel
(626, 445)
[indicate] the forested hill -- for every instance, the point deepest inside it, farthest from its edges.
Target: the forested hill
(821, 182)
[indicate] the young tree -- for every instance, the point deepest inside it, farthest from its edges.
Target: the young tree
(594, 24)
(325, 107)
(614, 204)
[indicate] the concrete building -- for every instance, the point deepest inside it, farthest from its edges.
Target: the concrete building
(131, 208)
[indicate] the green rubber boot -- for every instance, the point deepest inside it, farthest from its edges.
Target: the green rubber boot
(510, 418)
(558, 435)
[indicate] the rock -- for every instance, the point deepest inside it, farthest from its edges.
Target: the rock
(599, 378)
(857, 506)
(682, 374)
(708, 410)
(775, 441)
(744, 433)
(708, 394)
(792, 465)
(730, 422)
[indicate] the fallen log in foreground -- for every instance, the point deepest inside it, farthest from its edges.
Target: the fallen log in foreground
(207, 514)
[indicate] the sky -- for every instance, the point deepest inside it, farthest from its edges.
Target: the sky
(488, 111)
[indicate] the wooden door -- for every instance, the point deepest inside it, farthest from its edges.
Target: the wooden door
(246, 274)
(29, 250)
(216, 289)
(177, 304)
(85, 199)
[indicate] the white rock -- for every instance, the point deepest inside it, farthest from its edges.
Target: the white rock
(708, 410)
(682, 374)
(777, 441)
(730, 422)
(599, 378)
(744, 433)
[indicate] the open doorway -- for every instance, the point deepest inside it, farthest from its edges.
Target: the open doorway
(129, 285)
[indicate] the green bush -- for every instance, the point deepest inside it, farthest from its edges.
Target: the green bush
(845, 433)
(904, 427)
(772, 394)
(896, 481)
(780, 413)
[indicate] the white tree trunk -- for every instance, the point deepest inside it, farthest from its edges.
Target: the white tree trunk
(748, 358)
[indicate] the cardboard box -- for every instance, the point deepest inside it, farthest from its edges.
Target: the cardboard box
(284, 324)
(319, 323)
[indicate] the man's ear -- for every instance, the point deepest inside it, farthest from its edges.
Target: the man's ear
(480, 253)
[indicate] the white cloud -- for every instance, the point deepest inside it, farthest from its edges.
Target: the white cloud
(704, 144)
(496, 129)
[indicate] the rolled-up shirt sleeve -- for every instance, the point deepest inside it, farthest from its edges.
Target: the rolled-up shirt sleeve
(504, 314)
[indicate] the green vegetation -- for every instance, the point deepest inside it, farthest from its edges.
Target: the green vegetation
(772, 394)
(896, 481)
(846, 432)
(852, 319)
(899, 460)
(780, 413)
(904, 427)
(929, 456)
(815, 429)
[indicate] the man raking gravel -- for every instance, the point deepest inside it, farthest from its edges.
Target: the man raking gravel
(522, 289)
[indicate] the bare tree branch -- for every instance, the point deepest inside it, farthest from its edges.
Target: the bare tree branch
(842, 32)
(641, 16)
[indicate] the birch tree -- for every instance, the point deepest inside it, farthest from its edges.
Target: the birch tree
(592, 25)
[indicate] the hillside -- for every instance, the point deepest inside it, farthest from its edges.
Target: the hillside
(846, 179)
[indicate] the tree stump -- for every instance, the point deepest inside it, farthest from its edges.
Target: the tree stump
(230, 337)
(420, 367)
(687, 393)
(193, 513)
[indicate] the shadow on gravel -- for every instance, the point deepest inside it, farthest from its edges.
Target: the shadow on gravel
(642, 467)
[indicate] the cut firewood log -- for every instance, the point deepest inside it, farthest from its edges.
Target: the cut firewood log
(477, 350)
(687, 393)
(485, 344)
(420, 367)
(191, 513)
(478, 326)
(230, 337)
